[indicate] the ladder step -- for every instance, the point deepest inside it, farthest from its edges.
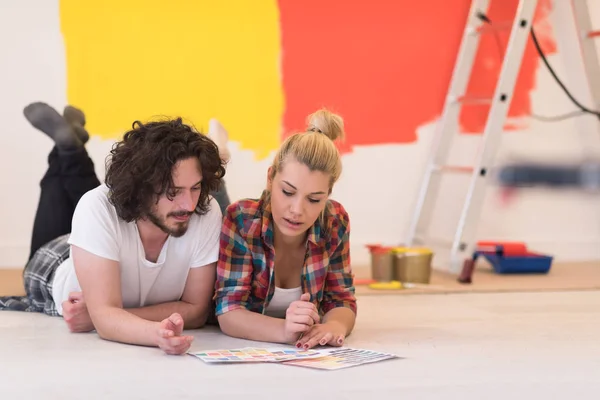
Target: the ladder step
(487, 28)
(453, 168)
(418, 240)
(592, 34)
(433, 242)
(471, 100)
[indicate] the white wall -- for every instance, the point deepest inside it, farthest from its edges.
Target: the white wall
(379, 198)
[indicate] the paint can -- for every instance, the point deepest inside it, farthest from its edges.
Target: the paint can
(382, 263)
(412, 265)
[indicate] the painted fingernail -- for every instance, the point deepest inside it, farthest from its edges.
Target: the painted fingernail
(322, 342)
(340, 341)
(305, 346)
(298, 345)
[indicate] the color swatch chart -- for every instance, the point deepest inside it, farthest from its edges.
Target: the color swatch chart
(253, 354)
(324, 359)
(339, 358)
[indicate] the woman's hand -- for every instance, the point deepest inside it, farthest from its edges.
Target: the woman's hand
(300, 316)
(332, 333)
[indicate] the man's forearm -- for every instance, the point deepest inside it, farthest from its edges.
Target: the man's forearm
(343, 316)
(249, 325)
(194, 316)
(119, 325)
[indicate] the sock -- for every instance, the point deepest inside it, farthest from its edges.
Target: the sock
(47, 120)
(219, 135)
(73, 114)
(76, 118)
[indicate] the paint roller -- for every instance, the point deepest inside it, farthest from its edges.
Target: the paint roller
(584, 176)
(500, 248)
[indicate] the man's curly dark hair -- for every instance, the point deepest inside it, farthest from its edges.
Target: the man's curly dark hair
(139, 168)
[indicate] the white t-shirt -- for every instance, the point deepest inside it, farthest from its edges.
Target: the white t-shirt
(97, 229)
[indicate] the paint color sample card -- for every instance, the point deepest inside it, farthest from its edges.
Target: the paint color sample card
(333, 359)
(252, 354)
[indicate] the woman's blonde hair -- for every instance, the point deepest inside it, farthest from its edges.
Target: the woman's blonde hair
(315, 147)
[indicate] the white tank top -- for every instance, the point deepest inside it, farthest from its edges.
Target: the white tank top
(282, 298)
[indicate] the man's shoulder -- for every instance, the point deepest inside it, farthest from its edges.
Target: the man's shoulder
(95, 200)
(96, 197)
(96, 227)
(213, 215)
(95, 206)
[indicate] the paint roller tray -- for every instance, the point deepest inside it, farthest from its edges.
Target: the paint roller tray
(529, 263)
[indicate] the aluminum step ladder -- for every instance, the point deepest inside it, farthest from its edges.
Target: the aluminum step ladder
(450, 255)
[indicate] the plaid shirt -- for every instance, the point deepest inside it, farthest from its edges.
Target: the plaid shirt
(245, 267)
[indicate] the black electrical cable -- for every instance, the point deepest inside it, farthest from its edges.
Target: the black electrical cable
(557, 118)
(583, 109)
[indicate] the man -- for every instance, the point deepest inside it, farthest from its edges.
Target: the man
(139, 263)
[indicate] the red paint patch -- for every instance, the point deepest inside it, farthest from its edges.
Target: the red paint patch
(386, 67)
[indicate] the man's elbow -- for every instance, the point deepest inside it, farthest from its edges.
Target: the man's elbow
(104, 333)
(101, 320)
(197, 318)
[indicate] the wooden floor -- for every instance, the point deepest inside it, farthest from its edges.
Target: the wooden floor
(11, 282)
(562, 276)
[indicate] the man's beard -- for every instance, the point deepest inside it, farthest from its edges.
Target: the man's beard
(180, 227)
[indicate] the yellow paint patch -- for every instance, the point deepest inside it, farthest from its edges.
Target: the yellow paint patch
(198, 59)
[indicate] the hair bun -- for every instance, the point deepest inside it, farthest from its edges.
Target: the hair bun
(327, 123)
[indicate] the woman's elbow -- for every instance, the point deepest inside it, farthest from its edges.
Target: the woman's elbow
(227, 323)
(224, 323)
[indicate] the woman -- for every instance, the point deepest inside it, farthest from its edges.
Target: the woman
(284, 273)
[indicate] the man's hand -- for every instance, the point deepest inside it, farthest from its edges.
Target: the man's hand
(75, 313)
(300, 316)
(170, 339)
(332, 333)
